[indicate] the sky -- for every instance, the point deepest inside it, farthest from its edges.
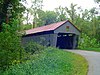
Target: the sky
(52, 4)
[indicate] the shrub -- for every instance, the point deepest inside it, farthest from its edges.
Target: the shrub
(10, 46)
(87, 42)
(51, 62)
(26, 27)
(33, 47)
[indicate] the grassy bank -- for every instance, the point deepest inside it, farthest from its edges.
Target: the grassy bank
(91, 49)
(52, 62)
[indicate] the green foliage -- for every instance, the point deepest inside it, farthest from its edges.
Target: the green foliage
(97, 1)
(36, 6)
(15, 10)
(46, 17)
(10, 45)
(87, 42)
(52, 62)
(26, 27)
(33, 47)
(61, 13)
(91, 49)
(50, 17)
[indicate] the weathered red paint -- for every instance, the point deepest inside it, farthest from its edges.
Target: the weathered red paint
(47, 27)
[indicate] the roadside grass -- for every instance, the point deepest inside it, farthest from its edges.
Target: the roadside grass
(91, 49)
(52, 61)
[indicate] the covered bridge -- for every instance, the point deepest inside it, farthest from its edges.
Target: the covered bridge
(63, 35)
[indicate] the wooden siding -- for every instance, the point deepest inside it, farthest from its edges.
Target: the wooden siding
(45, 40)
(62, 29)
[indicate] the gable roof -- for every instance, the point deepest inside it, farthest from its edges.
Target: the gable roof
(49, 27)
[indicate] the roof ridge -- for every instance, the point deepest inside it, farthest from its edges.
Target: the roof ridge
(48, 27)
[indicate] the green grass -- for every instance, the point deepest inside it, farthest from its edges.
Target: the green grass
(91, 49)
(52, 62)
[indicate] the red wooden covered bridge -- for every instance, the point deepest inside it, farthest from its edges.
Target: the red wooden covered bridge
(63, 35)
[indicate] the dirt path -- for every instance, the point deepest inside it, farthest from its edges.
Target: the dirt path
(93, 59)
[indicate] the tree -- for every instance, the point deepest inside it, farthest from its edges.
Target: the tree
(72, 12)
(50, 17)
(97, 1)
(9, 9)
(11, 51)
(46, 17)
(28, 13)
(36, 6)
(61, 13)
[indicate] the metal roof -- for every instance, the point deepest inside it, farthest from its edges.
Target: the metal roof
(46, 27)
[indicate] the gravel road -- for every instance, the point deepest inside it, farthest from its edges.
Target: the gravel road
(93, 59)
